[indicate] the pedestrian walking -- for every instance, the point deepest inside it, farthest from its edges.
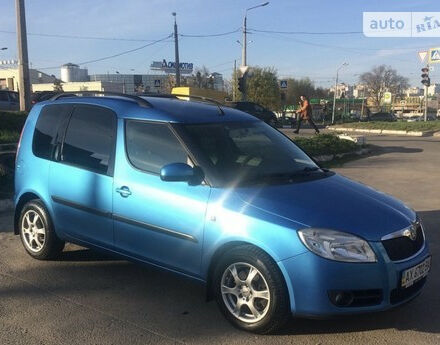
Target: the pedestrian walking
(305, 113)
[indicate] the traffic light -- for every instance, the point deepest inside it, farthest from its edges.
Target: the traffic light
(241, 84)
(425, 76)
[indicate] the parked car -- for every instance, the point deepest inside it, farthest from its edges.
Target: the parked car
(382, 116)
(212, 193)
(256, 110)
(9, 100)
(40, 96)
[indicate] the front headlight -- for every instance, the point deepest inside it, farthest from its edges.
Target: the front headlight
(336, 245)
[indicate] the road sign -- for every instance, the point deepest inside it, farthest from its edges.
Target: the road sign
(244, 69)
(283, 84)
(387, 97)
(422, 55)
(434, 55)
(156, 82)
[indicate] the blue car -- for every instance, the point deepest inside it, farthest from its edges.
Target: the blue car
(217, 195)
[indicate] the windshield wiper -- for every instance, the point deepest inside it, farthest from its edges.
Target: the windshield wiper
(283, 175)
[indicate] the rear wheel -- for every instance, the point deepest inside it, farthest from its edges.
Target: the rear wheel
(37, 233)
(250, 290)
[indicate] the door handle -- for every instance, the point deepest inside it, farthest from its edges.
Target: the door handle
(124, 191)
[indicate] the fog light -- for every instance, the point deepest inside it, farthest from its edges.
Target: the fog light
(341, 298)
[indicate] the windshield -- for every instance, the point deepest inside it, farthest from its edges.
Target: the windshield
(240, 152)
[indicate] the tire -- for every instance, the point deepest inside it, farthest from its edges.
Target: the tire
(37, 232)
(272, 305)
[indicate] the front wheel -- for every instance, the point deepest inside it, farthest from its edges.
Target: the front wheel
(250, 290)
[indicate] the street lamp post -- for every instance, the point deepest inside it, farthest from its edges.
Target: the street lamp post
(176, 48)
(244, 58)
(336, 89)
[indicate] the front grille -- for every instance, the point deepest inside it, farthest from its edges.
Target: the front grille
(400, 294)
(403, 247)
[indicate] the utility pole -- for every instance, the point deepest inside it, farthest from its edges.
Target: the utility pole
(176, 47)
(244, 45)
(23, 62)
(234, 86)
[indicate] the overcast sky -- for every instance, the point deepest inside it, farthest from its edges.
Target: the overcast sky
(299, 55)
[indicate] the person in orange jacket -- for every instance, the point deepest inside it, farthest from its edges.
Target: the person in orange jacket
(305, 113)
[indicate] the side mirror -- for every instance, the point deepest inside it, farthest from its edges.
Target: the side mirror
(181, 172)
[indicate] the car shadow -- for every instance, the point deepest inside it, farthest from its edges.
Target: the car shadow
(380, 150)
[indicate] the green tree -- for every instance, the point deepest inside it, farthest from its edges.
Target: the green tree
(262, 87)
(304, 86)
(383, 79)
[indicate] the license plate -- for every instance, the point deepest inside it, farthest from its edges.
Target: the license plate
(415, 273)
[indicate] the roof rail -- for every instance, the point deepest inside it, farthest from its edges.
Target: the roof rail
(199, 98)
(139, 100)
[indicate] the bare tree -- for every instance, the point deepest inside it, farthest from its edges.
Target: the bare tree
(383, 79)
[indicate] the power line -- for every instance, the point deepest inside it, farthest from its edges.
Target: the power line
(115, 55)
(212, 35)
(81, 37)
(308, 32)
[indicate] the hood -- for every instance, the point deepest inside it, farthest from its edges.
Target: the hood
(333, 202)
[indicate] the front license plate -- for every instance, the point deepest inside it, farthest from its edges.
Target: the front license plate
(415, 273)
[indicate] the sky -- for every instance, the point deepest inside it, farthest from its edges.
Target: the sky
(131, 24)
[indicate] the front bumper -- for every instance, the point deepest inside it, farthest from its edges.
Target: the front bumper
(311, 278)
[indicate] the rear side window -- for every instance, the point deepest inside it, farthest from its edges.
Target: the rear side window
(90, 139)
(47, 129)
(150, 146)
(4, 97)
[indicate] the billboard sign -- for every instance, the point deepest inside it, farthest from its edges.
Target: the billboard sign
(170, 66)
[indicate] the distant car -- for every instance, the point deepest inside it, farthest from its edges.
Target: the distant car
(413, 118)
(256, 110)
(40, 96)
(381, 116)
(9, 100)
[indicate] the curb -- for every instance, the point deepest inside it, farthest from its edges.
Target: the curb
(385, 131)
(6, 205)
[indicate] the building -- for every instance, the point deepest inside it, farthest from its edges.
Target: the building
(343, 90)
(218, 83)
(81, 86)
(360, 91)
(9, 78)
(414, 91)
(72, 73)
(433, 89)
(133, 83)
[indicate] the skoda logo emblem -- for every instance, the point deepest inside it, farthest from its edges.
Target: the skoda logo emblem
(411, 233)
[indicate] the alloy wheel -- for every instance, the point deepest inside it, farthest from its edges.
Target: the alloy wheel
(33, 231)
(245, 292)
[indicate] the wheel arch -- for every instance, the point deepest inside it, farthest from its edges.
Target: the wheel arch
(22, 200)
(221, 250)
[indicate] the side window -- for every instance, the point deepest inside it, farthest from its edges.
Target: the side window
(13, 97)
(150, 146)
(90, 139)
(47, 129)
(4, 97)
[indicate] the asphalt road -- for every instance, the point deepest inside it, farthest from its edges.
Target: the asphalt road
(89, 298)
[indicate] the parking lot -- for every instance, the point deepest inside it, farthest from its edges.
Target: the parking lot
(89, 298)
